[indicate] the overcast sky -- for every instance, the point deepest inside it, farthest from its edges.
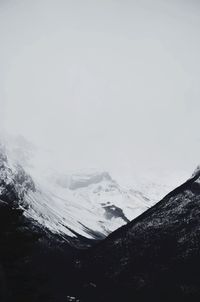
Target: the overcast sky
(105, 84)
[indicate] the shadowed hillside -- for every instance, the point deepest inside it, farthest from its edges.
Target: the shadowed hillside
(156, 257)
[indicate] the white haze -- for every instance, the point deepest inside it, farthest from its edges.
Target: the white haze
(104, 84)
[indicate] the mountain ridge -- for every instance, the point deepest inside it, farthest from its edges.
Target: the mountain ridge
(90, 204)
(154, 257)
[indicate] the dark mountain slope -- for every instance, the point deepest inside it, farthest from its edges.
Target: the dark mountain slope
(35, 264)
(156, 257)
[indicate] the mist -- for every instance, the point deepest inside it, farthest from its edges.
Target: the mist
(109, 85)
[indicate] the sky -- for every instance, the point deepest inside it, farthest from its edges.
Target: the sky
(106, 84)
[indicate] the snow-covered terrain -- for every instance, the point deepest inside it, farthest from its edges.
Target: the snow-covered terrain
(153, 257)
(87, 203)
(90, 205)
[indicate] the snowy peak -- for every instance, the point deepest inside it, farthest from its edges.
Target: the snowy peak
(15, 183)
(152, 258)
(88, 204)
(196, 171)
(82, 180)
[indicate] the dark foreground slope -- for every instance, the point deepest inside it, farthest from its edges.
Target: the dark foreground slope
(36, 265)
(154, 258)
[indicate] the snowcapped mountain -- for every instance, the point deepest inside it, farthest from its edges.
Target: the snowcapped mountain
(15, 183)
(155, 257)
(46, 218)
(89, 204)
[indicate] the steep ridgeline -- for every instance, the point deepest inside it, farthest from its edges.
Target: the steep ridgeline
(34, 262)
(87, 205)
(44, 226)
(156, 257)
(90, 204)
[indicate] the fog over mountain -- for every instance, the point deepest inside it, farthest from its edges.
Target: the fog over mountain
(110, 85)
(99, 150)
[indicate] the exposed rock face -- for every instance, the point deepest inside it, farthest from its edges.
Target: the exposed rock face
(156, 257)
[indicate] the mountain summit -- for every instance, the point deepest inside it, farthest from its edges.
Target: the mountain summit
(85, 204)
(45, 222)
(47, 228)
